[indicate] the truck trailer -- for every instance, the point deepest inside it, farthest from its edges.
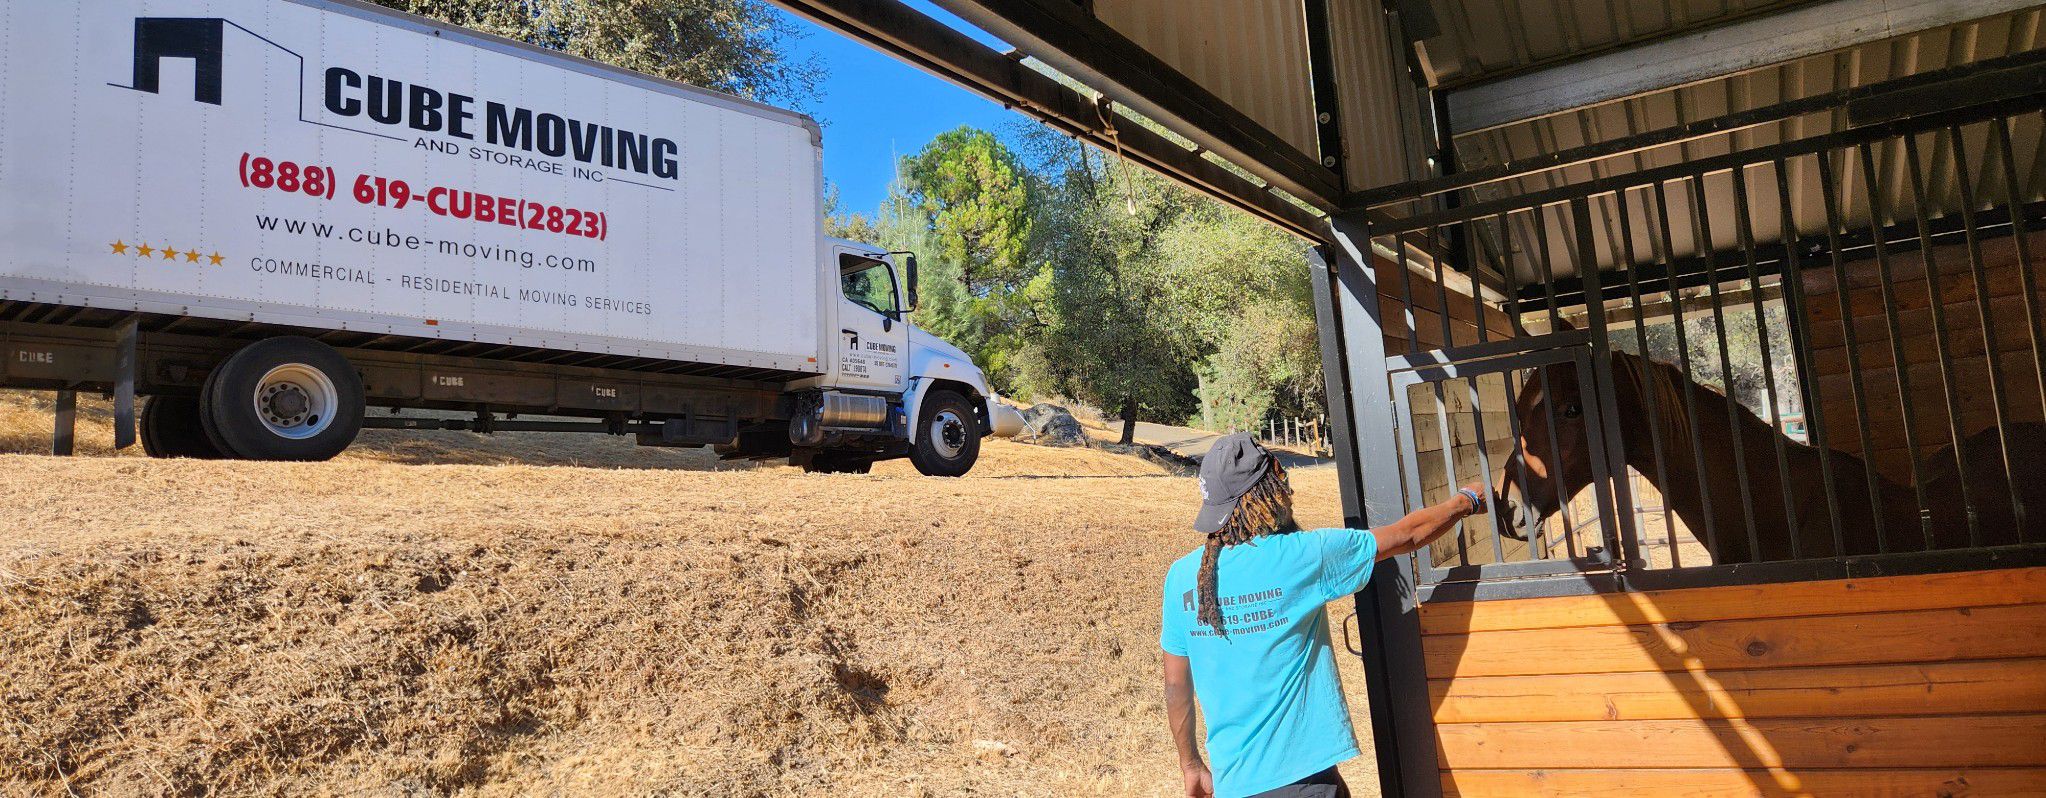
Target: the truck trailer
(266, 220)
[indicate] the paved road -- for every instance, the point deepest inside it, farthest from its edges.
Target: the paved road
(1194, 443)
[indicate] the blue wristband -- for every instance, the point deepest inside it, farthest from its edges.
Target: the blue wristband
(1477, 503)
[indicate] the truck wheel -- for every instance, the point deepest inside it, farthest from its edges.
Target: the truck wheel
(947, 436)
(835, 463)
(171, 427)
(287, 398)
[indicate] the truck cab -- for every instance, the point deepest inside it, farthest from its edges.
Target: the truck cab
(890, 389)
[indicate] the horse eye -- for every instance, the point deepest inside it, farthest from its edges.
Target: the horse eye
(1573, 410)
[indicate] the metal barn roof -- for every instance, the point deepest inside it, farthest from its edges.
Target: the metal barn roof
(1318, 106)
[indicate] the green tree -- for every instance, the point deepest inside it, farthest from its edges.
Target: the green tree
(978, 199)
(1268, 361)
(739, 47)
(840, 223)
(1117, 337)
(963, 203)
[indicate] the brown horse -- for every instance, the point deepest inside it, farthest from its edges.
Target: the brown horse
(1706, 441)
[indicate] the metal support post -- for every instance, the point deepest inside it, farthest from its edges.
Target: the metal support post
(1363, 426)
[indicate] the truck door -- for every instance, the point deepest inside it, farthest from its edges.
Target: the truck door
(873, 340)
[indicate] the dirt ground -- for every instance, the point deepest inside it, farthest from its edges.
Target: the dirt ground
(444, 613)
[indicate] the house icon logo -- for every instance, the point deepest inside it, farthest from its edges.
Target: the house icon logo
(158, 38)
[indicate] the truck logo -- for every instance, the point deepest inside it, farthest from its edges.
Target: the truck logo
(158, 38)
(410, 107)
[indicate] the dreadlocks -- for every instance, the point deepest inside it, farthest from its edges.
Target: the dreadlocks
(1267, 509)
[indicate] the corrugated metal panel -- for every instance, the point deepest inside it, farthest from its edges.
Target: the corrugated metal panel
(1486, 38)
(1870, 63)
(1250, 53)
(1377, 150)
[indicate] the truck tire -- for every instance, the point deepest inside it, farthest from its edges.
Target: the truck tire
(287, 398)
(947, 435)
(837, 463)
(171, 427)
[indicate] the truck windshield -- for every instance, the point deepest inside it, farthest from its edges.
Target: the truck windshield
(868, 282)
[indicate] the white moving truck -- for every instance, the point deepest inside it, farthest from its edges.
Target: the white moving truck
(271, 216)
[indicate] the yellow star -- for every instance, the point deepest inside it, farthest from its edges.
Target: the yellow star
(191, 256)
(215, 257)
(145, 250)
(170, 254)
(120, 247)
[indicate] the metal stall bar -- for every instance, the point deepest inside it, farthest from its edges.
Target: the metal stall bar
(1998, 401)
(1468, 232)
(1641, 347)
(1941, 349)
(1801, 348)
(1539, 353)
(1708, 165)
(1402, 721)
(1676, 305)
(2026, 282)
(1872, 189)
(2013, 69)
(1414, 501)
(1515, 382)
(1744, 230)
(1548, 276)
(1701, 227)
(1477, 407)
(1443, 427)
(1611, 492)
(1829, 192)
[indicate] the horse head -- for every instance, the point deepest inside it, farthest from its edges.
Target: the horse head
(1553, 460)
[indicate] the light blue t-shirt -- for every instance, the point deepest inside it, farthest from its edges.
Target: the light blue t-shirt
(1269, 692)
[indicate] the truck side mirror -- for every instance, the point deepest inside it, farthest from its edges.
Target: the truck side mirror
(909, 277)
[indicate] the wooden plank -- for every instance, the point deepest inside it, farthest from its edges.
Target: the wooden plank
(1873, 331)
(1920, 636)
(1939, 688)
(1427, 327)
(1756, 783)
(1913, 295)
(1387, 273)
(1835, 597)
(1999, 252)
(1928, 394)
(1944, 741)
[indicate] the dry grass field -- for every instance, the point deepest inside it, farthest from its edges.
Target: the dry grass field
(444, 613)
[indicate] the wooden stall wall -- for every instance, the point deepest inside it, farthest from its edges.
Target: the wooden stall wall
(1874, 349)
(1898, 686)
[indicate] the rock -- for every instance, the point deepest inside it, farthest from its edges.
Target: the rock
(1053, 426)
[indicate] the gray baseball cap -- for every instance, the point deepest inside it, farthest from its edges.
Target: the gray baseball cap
(1230, 469)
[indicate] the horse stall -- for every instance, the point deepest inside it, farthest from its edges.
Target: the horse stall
(1761, 394)
(1733, 304)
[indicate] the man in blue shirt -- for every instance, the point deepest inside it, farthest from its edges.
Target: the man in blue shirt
(1245, 633)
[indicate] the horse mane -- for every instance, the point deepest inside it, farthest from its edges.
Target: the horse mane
(1659, 384)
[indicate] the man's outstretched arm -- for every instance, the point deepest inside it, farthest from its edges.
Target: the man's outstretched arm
(1179, 712)
(1423, 526)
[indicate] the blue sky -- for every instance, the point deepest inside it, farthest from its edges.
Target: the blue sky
(874, 105)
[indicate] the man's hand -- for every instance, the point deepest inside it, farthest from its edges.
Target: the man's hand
(1476, 493)
(1199, 782)
(1179, 714)
(1421, 526)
